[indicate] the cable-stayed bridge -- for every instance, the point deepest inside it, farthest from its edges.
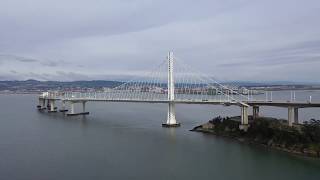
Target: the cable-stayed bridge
(174, 82)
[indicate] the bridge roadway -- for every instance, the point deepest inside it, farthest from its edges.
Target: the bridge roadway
(298, 104)
(293, 106)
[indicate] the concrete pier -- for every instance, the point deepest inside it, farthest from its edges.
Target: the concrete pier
(296, 115)
(293, 115)
(255, 112)
(42, 104)
(290, 115)
(83, 106)
(72, 110)
(48, 104)
(53, 107)
(244, 118)
(63, 108)
(171, 117)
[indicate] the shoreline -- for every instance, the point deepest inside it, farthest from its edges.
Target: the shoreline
(208, 128)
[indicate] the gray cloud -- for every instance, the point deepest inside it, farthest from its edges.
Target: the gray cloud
(301, 53)
(50, 64)
(13, 71)
(19, 59)
(7, 57)
(72, 40)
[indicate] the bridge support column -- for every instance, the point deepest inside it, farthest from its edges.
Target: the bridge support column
(52, 106)
(296, 115)
(48, 104)
(39, 105)
(171, 118)
(244, 118)
(42, 104)
(72, 111)
(72, 107)
(63, 108)
(83, 106)
(291, 115)
(255, 113)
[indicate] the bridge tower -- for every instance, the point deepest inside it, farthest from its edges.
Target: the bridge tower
(171, 118)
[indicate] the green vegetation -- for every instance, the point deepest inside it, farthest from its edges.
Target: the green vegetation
(300, 139)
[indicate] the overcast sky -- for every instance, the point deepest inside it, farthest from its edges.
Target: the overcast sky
(246, 40)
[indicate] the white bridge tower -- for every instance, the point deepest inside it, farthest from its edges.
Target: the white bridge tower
(171, 118)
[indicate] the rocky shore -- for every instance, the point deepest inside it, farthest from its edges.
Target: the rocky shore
(302, 139)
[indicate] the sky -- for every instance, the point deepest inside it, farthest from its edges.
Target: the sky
(231, 40)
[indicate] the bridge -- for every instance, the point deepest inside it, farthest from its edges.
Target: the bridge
(172, 84)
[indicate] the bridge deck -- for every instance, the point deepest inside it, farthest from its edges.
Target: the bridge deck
(299, 104)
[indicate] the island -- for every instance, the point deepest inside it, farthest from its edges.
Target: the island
(301, 139)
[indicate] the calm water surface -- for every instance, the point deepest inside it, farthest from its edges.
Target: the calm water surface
(126, 141)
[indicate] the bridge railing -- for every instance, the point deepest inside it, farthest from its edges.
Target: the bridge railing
(137, 96)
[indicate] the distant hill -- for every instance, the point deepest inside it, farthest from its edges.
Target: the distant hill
(38, 86)
(44, 85)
